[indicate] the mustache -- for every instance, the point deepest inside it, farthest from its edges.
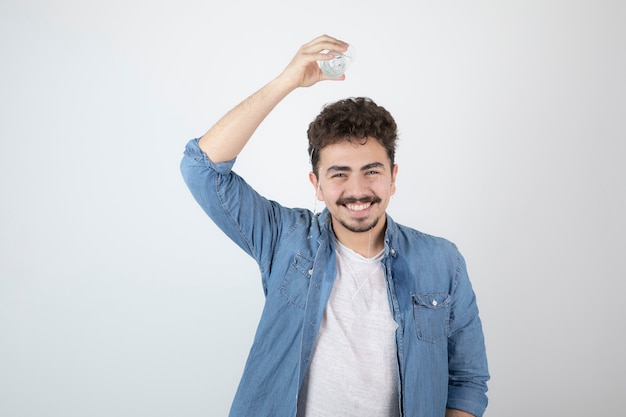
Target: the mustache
(362, 200)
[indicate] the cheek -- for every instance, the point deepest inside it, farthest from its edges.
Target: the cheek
(325, 192)
(383, 187)
(331, 195)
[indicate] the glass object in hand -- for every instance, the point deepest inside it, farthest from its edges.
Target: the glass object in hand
(336, 67)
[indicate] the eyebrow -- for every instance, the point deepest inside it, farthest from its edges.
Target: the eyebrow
(373, 165)
(341, 168)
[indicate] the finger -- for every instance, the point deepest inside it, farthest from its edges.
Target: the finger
(324, 42)
(323, 54)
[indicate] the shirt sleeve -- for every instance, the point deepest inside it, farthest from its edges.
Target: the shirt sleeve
(467, 361)
(253, 222)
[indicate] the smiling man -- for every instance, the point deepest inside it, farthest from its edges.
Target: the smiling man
(363, 316)
(353, 169)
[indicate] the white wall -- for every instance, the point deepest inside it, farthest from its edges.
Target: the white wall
(118, 297)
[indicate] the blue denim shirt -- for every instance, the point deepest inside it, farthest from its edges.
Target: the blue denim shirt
(441, 351)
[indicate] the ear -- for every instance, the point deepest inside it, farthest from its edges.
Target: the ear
(394, 173)
(316, 185)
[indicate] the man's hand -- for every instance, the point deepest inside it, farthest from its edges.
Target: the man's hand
(303, 70)
(450, 412)
(231, 133)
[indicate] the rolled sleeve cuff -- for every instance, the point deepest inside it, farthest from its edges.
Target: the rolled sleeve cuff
(193, 150)
(469, 401)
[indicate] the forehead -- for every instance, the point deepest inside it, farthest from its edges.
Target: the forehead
(354, 152)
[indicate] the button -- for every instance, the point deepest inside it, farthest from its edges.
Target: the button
(310, 272)
(435, 303)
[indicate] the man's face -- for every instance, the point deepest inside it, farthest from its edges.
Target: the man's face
(356, 182)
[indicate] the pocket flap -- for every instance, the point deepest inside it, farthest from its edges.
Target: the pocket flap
(432, 300)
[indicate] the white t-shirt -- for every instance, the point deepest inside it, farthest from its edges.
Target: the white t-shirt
(354, 368)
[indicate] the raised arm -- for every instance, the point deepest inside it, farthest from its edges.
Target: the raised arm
(229, 135)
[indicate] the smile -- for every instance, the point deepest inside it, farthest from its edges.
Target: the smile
(358, 207)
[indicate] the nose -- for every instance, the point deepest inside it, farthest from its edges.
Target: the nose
(358, 186)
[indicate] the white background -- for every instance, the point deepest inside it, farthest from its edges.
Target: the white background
(118, 296)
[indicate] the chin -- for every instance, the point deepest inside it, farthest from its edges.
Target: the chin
(359, 227)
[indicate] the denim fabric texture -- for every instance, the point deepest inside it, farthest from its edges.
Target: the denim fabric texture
(441, 351)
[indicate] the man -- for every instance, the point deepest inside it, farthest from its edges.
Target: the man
(363, 316)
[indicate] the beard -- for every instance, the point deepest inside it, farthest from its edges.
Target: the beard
(361, 226)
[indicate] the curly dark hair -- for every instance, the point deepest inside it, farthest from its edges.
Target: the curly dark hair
(351, 119)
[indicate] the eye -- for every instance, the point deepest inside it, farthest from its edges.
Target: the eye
(372, 172)
(338, 175)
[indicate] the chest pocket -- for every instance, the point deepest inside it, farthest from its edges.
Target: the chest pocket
(295, 287)
(431, 312)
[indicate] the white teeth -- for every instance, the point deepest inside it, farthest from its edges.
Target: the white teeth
(358, 207)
